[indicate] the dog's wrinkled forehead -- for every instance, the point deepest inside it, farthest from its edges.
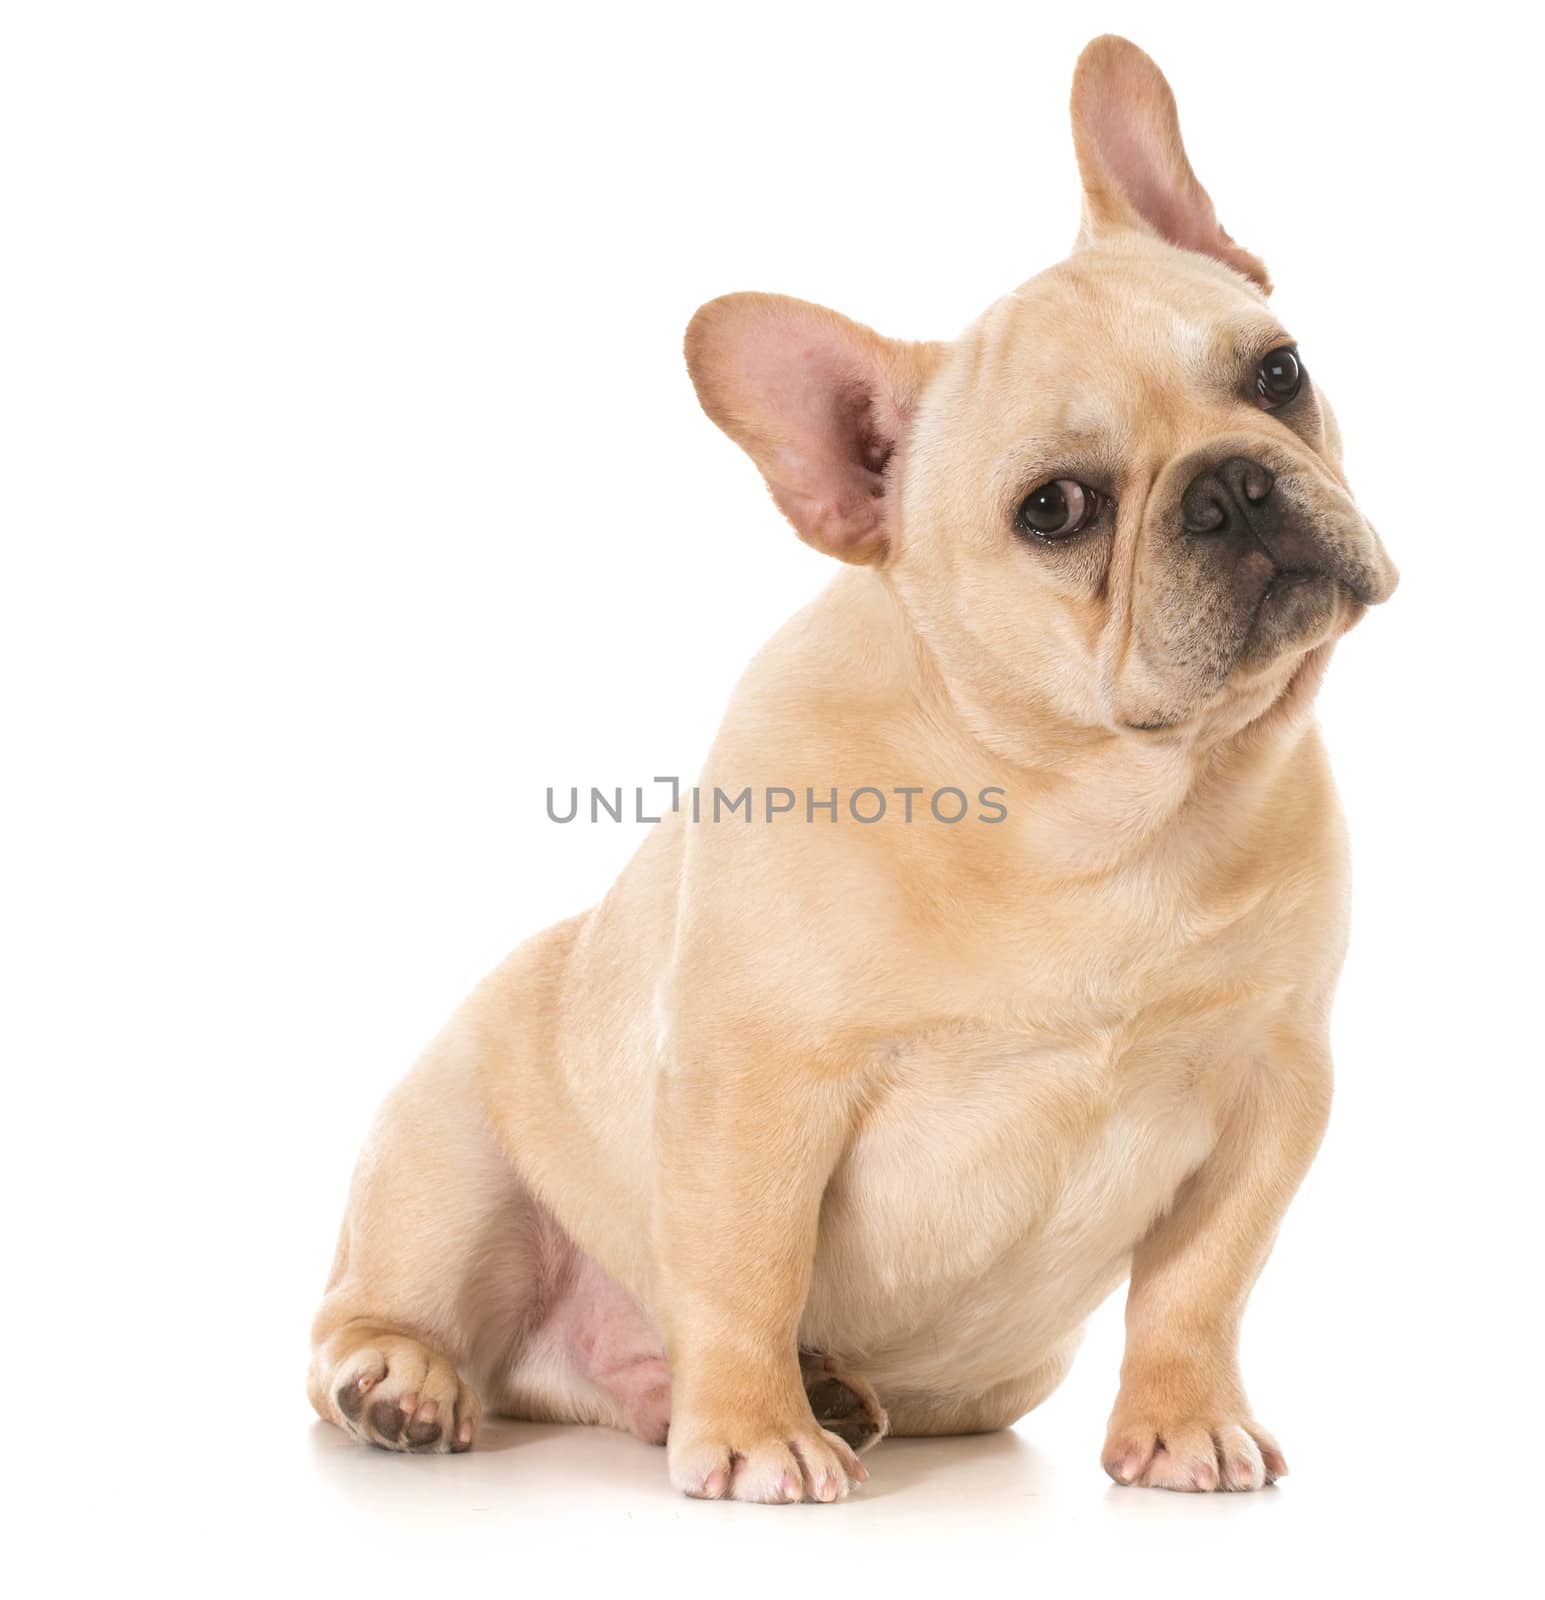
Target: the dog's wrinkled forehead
(1119, 338)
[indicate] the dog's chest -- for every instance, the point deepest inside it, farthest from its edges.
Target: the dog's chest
(994, 1192)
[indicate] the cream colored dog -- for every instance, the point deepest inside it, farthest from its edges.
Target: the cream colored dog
(818, 1126)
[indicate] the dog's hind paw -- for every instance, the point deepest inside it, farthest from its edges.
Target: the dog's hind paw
(396, 1394)
(843, 1403)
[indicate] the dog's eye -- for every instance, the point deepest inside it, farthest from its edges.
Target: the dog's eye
(1057, 509)
(1278, 378)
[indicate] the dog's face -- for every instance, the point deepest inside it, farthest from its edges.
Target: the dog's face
(1121, 498)
(1117, 500)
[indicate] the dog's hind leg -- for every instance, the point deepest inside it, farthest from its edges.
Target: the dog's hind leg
(453, 1289)
(438, 1264)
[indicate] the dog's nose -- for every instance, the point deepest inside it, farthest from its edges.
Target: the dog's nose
(1232, 497)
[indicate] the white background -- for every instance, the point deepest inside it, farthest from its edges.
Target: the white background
(354, 492)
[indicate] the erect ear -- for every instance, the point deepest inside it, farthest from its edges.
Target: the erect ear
(1132, 160)
(818, 402)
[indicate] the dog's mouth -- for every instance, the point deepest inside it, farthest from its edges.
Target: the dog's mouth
(1284, 582)
(1297, 611)
(1296, 608)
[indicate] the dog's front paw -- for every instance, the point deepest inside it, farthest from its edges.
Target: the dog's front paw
(771, 1465)
(1194, 1454)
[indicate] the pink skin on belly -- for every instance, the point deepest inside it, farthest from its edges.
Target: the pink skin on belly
(612, 1342)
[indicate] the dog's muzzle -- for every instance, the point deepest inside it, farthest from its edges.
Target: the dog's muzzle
(1238, 503)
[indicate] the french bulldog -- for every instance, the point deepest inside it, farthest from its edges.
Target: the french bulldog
(828, 1123)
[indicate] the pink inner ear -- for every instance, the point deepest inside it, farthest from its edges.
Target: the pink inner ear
(1170, 201)
(832, 432)
(1134, 162)
(818, 402)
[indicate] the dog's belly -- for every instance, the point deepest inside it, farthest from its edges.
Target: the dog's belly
(993, 1197)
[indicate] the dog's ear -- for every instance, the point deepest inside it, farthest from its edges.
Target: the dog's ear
(819, 403)
(1133, 164)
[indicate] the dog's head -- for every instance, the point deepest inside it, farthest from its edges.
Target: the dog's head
(1117, 499)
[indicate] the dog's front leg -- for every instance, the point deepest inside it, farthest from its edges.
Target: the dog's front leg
(748, 1139)
(1181, 1420)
